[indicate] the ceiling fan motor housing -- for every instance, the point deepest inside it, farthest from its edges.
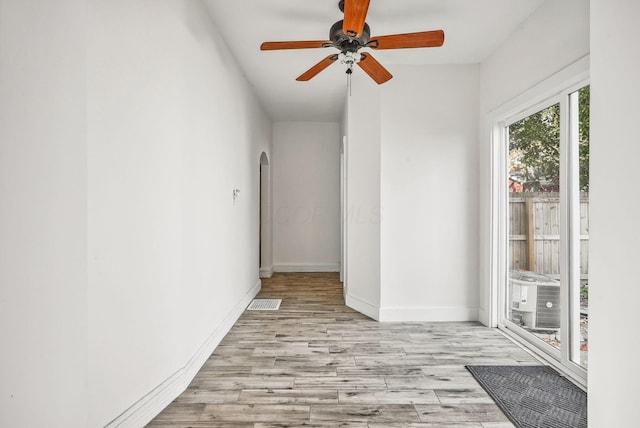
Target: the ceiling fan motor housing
(345, 43)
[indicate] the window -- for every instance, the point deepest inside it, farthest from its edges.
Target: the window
(545, 227)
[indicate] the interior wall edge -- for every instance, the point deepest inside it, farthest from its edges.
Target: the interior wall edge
(361, 306)
(484, 317)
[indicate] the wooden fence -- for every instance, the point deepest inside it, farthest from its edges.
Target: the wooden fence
(534, 240)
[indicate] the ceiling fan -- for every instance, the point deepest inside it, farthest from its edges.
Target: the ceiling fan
(352, 34)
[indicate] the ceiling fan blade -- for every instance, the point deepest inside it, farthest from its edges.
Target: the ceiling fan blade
(313, 71)
(355, 13)
(310, 44)
(374, 69)
(425, 39)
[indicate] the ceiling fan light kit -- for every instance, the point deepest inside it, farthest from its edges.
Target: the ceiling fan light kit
(352, 34)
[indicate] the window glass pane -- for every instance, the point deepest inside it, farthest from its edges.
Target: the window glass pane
(533, 296)
(583, 168)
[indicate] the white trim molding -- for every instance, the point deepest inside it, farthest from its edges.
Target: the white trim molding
(363, 307)
(266, 272)
(428, 314)
(304, 267)
(147, 407)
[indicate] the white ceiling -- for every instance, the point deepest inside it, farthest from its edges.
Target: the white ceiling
(473, 29)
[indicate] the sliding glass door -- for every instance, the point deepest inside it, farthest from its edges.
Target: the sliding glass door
(578, 143)
(545, 285)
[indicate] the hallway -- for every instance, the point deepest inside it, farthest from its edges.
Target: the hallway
(316, 362)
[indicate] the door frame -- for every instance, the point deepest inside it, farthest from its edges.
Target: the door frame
(265, 218)
(554, 89)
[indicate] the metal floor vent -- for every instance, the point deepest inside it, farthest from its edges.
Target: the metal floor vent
(265, 305)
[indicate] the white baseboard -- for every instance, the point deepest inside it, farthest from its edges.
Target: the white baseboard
(428, 314)
(146, 408)
(266, 272)
(303, 267)
(363, 307)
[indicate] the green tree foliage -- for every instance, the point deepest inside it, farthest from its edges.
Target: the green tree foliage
(534, 147)
(583, 110)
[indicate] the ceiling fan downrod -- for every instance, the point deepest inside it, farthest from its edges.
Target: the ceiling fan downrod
(346, 43)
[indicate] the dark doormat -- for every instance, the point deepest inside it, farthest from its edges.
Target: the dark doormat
(534, 396)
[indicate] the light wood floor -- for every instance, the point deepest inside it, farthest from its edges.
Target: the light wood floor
(316, 362)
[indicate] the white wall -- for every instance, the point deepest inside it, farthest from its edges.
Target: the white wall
(363, 212)
(614, 240)
(429, 167)
(173, 129)
(123, 257)
(306, 196)
(43, 214)
(554, 37)
(411, 197)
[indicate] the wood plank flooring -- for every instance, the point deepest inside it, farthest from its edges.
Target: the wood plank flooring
(316, 362)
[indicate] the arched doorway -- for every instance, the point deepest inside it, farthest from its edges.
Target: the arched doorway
(265, 254)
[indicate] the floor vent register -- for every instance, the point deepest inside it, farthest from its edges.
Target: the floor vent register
(265, 305)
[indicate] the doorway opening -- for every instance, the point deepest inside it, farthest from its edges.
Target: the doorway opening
(265, 258)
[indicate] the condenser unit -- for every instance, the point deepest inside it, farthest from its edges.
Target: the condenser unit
(535, 300)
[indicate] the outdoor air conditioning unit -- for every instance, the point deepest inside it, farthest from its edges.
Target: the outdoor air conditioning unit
(535, 300)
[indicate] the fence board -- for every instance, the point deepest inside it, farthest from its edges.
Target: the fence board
(543, 221)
